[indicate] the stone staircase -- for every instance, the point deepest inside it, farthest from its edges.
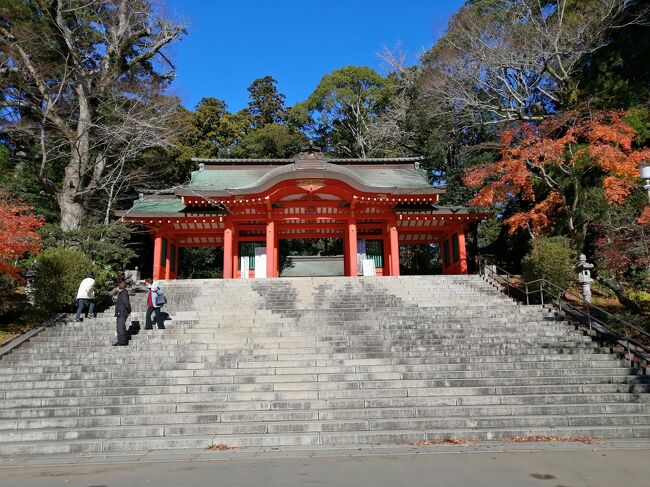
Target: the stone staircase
(317, 361)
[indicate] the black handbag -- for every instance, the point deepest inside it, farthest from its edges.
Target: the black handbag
(134, 329)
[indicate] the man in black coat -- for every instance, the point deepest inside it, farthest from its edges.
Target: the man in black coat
(122, 312)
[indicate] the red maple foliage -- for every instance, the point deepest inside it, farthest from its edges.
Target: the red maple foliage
(560, 148)
(644, 219)
(18, 234)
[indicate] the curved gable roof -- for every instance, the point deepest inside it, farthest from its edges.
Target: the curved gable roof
(248, 180)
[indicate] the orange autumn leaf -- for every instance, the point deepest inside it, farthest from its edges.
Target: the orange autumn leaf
(541, 218)
(617, 190)
(18, 234)
(479, 174)
(615, 133)
(613, 160)
(566, 145)
(644, 219)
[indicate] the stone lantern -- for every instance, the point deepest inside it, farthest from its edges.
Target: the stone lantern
(644, 170)
(584, 276)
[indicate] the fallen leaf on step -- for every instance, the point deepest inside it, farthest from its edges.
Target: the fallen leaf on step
(220, 447)
(549, 439)
(446, 441)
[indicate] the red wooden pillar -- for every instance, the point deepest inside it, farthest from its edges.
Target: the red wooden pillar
(446, 269)
(178, 251)
(270, 249)
(393, 239)
(441, 243)
(462, 250)
(168, 261)
(227, 252)
(276, 255)
(157, 255)
(235, 252)
(386, 248)
(351, 265)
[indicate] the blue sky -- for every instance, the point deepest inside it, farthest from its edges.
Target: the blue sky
(231, 43)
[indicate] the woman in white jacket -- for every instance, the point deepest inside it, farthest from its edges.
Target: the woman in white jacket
(86, 295)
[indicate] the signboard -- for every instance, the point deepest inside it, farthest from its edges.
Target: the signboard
(369, 267)
(361, 255)
(245, 266)
(260, 262)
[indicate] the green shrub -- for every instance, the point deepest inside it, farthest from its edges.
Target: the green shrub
(10, 299)
(58, 274)
(550, 259)
(104, 244)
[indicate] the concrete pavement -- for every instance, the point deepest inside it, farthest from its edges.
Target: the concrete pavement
(539, 464)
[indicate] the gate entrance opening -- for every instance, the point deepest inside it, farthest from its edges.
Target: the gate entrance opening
(311, 257)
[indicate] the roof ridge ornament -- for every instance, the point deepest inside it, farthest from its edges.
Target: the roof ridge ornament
(311, 151)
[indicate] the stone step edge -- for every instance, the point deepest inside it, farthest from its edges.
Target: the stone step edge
(456, 397)
(83, 361)
(605, 378)
(276, 355)
(342, 410)
(645, 416)
(403, 436)
(608, 359)
(164, 427)
(620, 371)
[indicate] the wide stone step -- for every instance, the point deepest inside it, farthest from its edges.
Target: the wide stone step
(166, 414)
(167, 377)
(206, 384)
(158, 394)
(288, 337)
(591, 361)
(244, 362)
(308, 353)
(297, 426)
(447, 324)
(301, 345)
(360, 438)
(162, 415)
(450, 322)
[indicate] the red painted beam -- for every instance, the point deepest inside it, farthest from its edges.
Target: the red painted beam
(311, 235)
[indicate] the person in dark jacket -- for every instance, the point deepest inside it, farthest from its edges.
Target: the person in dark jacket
(122, 312)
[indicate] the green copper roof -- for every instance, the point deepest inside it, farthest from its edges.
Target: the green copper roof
(225, 179)
(378, 177)
(154, 207)
(386, 177)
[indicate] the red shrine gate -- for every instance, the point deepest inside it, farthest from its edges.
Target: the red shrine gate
(386, 202)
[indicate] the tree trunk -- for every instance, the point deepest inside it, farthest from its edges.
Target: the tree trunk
(71, 210)
(70, 205)
(622, 296)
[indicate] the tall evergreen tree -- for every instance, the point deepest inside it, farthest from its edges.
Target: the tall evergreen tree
(340, 111)
(86, 79)
(266, 104)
